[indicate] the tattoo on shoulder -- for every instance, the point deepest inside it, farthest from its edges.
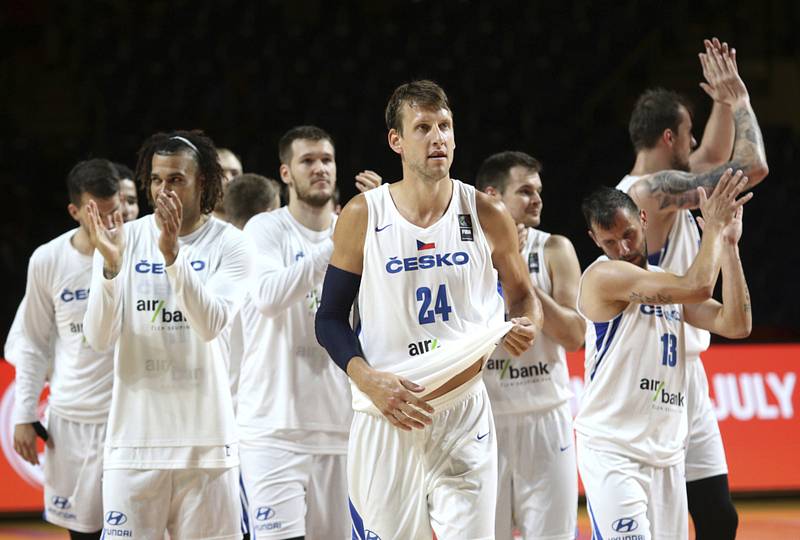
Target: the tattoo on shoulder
(639, 298)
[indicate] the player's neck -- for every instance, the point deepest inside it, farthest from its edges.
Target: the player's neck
(219, 214)
(316, 218)
(422, 202)
(188, 226)
(80, 241)
(649, 162)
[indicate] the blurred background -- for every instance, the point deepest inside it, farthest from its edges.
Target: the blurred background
(555, 79)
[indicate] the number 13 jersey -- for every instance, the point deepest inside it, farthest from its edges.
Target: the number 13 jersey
(423, 288)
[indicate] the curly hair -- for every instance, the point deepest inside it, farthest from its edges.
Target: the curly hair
(194, 143)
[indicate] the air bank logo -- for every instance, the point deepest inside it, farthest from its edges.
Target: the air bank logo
(660, 393)
(531, 373)
(157, 312)
(421, 347)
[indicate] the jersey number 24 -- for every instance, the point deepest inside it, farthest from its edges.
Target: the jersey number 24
(440, 305)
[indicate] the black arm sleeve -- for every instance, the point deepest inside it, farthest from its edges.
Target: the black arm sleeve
(332, 324)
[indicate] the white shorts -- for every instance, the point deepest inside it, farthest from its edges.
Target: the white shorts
(188, 503)
(404, 484)
(538, 477)
(73, 471)
(628, 499)
(292, 494)
(705, 455)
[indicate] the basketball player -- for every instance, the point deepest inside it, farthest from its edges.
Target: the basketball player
(231, 168)
(128, 198)
(163, 290)
(292, 411)
(530, 395)
(632, 424)
(250, 194)
(421, 254)
(49, 343)
(663, 182)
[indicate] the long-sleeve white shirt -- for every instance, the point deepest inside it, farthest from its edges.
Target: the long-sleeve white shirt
(48, 333)
(291, 395)
(171, 405)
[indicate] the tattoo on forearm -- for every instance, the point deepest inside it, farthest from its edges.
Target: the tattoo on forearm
(748, 307)
(678, 189)
(659, 298)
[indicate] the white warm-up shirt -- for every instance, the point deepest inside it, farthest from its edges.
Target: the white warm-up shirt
(291, 394)
(171, 405)
(538, 379)
(48, 334)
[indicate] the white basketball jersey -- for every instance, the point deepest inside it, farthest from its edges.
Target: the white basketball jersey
(677, 255)
(634, 399)
(538, 379)
(423, 288)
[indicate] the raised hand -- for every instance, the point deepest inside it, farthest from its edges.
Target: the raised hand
(723, 83)
(107, 237)
(366, 180)
(169, 215)
(721, 208)
(521, 336)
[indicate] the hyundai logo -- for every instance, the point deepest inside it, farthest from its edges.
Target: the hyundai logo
(61, 502)
(625, 525)
(371, 535)
(264, 513)
(115, 518)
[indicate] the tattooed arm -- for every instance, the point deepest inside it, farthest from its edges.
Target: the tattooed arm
(673, 190)
(608, 287)
(733, 317)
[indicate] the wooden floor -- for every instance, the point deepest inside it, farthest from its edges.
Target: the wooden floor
(758, 520)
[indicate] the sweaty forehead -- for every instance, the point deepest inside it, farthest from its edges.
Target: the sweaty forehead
(415, 112)
(180, 163)
(309, 147)
(622, 222)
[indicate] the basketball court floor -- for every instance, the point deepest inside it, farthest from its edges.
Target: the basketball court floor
(758, 520)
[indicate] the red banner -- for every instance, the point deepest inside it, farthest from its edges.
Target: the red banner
(753, 388)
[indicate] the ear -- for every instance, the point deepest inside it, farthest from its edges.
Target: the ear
(74, 212)
(284, 172)
(394, 140)
(643, 218)
(668, 137)
(594, 239)
(492, 192)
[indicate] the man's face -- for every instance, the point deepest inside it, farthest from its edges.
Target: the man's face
(128, 199)
(177, 173)
(625, 240)
(683, 142)
(311, 173)
(523, 196)
(231, 166)
(427, 143)
(106, 207)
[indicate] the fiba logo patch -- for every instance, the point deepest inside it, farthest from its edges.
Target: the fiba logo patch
(115, 518)
(625, 525)
(60, 502)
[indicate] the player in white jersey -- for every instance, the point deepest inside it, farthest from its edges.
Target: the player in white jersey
(292, 410)
(663, 183)
(421, 254)
(632, 424)
(530, 395)
(49, 343)
(163, 290)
